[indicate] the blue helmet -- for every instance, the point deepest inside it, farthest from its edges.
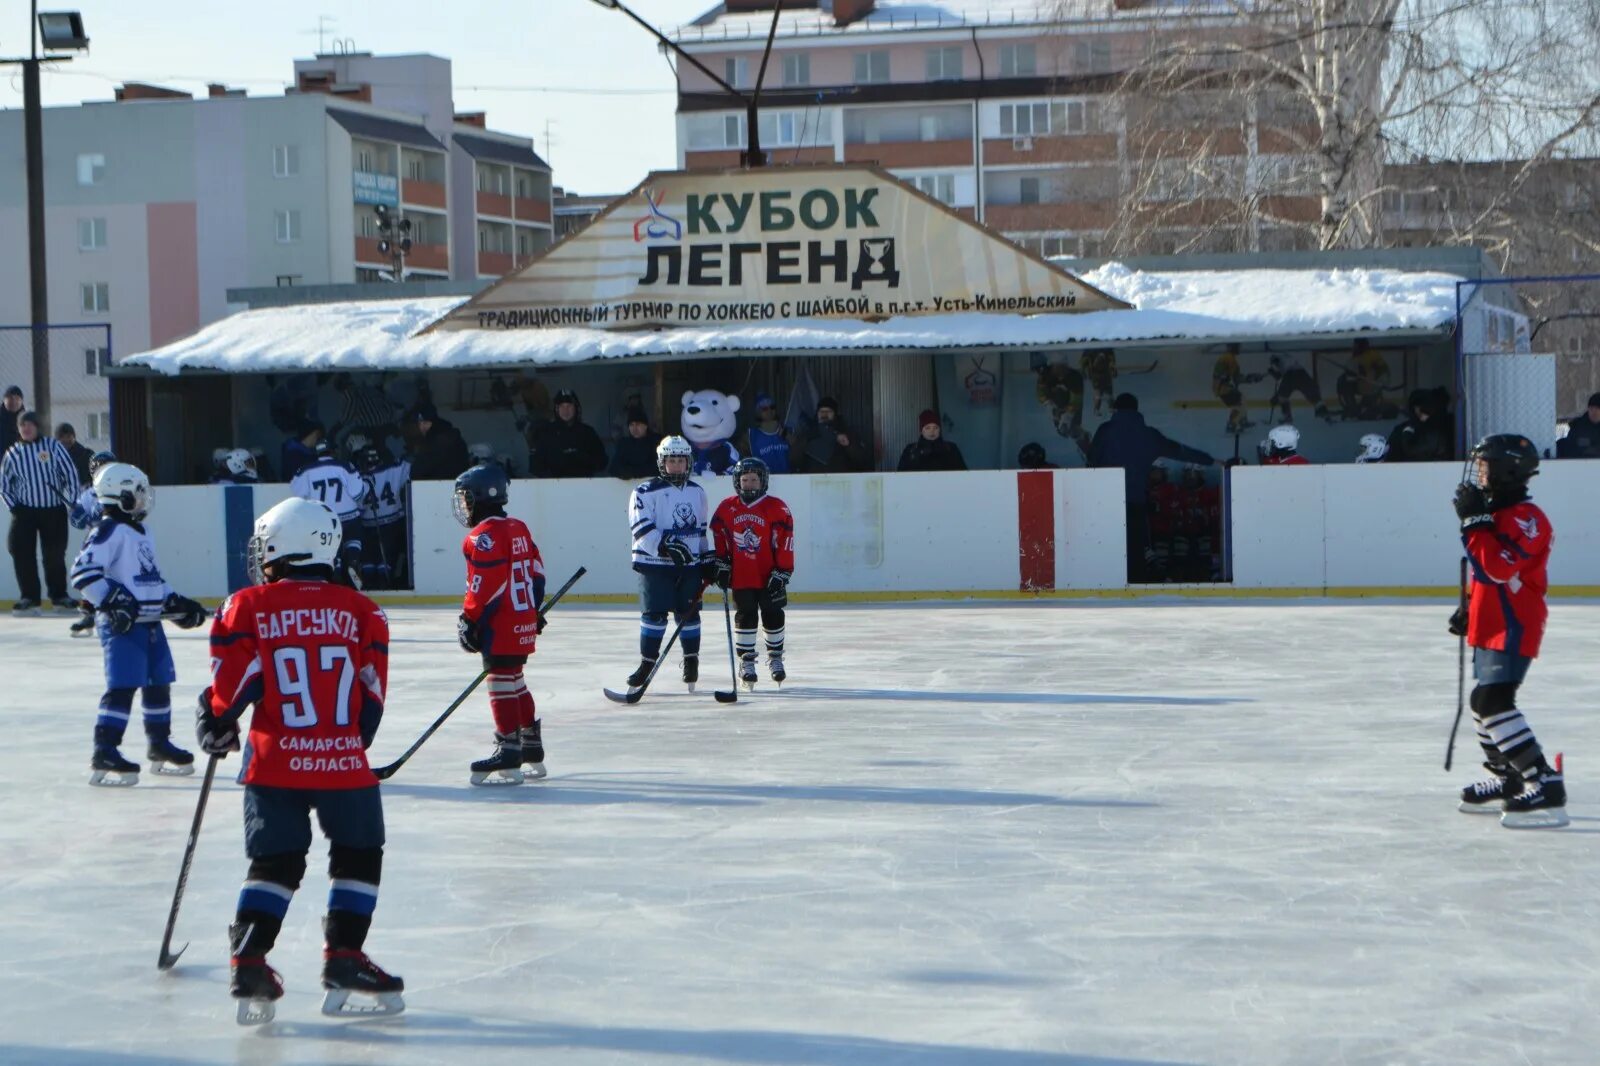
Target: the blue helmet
(484, 485)
(750, 465)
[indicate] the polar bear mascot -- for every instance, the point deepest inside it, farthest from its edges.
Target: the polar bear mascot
(709, 421)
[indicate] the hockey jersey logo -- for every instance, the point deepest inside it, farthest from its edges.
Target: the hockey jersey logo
(683, 517)
(1529, 526)
(747, 540)
(148, 573)
(485, 542)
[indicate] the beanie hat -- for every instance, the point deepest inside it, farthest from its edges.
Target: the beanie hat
(1126, 402)
(1594, 401)
(927, 418)
(566, 396)
(830, 403)
(28, 416)
(13, 390)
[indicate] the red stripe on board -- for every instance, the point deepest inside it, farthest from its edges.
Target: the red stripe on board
(1036, 529)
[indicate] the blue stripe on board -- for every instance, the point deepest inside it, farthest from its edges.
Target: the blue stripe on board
(238, 522)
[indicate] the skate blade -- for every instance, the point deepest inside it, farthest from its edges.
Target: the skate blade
(255, 1012)
(336, 1004)
(1544, 818)
(113, 779)
(747, 684)
(496, 777)
(689, 685)
(533, 771)
(172, 769)
(1492, 807)
(83, 632)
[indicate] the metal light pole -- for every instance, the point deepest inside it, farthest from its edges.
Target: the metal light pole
(64, 30)
(752, 156)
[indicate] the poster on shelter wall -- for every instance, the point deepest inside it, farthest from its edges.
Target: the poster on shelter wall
(713, 248)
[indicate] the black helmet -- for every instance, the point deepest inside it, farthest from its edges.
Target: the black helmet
(484, 487)
(751, 465)
(1508, 461)
(1031, 456)
(368, 458)
(97, 460)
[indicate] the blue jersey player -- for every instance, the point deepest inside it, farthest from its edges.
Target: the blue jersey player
(668, 518)
(117, 572)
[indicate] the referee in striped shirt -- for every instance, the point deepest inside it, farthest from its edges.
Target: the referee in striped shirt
(37, 479)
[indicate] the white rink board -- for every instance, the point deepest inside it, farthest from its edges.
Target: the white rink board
(971, 834)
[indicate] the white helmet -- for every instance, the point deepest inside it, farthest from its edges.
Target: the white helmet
(240, 463)
(1373, 448)
(124, 487)
(296, 531)
(1283, 439)
(674, 446)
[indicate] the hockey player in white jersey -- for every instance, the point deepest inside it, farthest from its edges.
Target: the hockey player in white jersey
(236, 467)
(388, 500)
(117, 572)
(668, 515)
(85, 514)
(332, 481)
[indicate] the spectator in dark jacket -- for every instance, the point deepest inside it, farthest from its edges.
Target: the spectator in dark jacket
(80, 455)
(300, 449)
(635, 457)
(1425, 437)
(1583, 434)
(565, 446)
(441, 453)
(1123, 440)
(828, 447)
(930, 451)
(8, 418)
(1032, 457)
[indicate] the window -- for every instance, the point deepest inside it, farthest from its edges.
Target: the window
(736, 72)
(365, 159)
(941, 187)
(1091, 56)
(1018, 60)
(944, 64)
(286, 160)
(797, 69)
(524, 243)
(1024, 120)
(1028, 191)
(494, 180)
(371, 274)
(733, 131)
(91, 169)
(416, 170)
(91, 234)
(1075, 116)
(94, 296)
(99, 425)
(872, 68)
(95, 361)
(286, 224)
(524, 187)
(781, 129)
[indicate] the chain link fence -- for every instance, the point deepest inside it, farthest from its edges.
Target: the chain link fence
(80, 393)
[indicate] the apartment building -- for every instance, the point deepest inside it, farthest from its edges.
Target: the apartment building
(1012, 112)
(157, 203)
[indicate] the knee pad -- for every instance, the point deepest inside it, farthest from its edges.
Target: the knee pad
(287, 869)
(117, 699)
(654, 618)
(1490, 700)
(355, 864)
(156, 697)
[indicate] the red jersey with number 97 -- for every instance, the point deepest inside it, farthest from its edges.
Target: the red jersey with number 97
(314, 659)
(505, 585)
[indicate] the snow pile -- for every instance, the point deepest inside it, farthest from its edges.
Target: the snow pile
(1190, 305)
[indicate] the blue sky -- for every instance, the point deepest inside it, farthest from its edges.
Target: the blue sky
(506, 56)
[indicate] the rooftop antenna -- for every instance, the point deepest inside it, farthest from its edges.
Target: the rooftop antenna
(322, 32)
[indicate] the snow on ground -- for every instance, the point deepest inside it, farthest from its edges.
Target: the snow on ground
(1195, 305)
(1017, 835)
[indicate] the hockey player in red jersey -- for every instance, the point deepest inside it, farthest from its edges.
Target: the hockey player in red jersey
(753, 538)
(1283, 448)
(313, 659)
(500, 618)
(1508, 540)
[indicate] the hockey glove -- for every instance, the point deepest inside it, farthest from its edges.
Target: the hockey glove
(120, 609)
(79, 517)
(778, 588)
(216, 736)
(183, 612)
(1472, 507)
(1458, 623)
(467, 633)
(719, 572)
(677, 551)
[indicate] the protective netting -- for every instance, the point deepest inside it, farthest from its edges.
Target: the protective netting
(79, 391)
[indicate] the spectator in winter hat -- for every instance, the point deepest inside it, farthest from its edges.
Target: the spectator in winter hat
(8, 417)
(1032, 457)
(80, 455)
(829, 447)
(300, 448)
(1583, 434)
(635, 457)
(930, 451)
(441, 452)
(767, 440)
(565, 446)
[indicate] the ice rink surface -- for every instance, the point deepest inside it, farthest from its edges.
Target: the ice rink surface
(1053, 833)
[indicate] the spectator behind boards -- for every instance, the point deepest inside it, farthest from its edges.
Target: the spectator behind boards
(9, 410)
(829, 446)
(1425, 437)
(565, 446)
(441, 452)
(930, 451)
(1583, 434)
(767, 439)
(635, 455)
(300, 449)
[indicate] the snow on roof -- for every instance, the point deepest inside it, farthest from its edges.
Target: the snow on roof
(1199, 305)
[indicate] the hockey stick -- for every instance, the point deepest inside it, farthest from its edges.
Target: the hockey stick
(169, 957)
(1461, 671)
(731, 696)
(634, 695)
(383, 773)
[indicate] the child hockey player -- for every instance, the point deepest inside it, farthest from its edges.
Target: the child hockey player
(84, 515)
(1508, 541)
(116, 571)
(1283, 447)
(388, 499)
(312, 657)
(500, 618)
(668, 518)
(334, 482)
(754, 544)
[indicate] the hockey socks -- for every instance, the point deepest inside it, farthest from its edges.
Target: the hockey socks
(652, 630)
(506, 692)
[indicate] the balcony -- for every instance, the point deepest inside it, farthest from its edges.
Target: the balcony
(367, 251)
(494, 203)
(496, 264)
(1082, 215)
(422, 193)
(429, 256)
(911, 153)
(531, 209)
(723, 158)
(1049, 148)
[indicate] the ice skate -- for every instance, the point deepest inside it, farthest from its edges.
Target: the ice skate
(775, 667)
(503, 766)
(691, 670)
(26, 608)
(84, 626)
(167, 758)
(347, 972)
(747, 674)
(1485, 797)
(532, 752)
(108, 769)
(1542, 802)
(64, 606)
(257, 987)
